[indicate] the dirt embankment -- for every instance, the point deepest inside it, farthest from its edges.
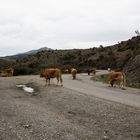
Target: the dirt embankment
(58, 113)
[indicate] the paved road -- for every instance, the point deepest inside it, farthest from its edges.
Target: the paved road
(84, 85)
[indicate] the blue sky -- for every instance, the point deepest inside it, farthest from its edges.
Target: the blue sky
(65, 24)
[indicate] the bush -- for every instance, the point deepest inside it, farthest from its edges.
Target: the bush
(23, 70)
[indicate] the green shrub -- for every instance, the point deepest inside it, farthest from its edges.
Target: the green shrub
(104, 78)
(22, 70)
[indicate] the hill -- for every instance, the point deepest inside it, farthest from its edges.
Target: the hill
(124, 56)
(31, 52)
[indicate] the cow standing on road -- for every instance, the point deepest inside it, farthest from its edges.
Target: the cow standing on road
(73, 72)
(93, 71)
(117, 76)
(49, 73)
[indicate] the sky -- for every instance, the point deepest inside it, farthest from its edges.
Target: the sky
(65, 24)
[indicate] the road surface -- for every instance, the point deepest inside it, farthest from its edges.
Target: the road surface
(80, 110)
(83, 84)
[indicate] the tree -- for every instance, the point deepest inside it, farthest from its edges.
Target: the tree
(137, 32)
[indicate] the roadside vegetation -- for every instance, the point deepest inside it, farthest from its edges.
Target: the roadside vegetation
(101, 78)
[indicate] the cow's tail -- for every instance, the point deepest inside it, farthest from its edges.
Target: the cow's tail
(60, 76)
(124, 79)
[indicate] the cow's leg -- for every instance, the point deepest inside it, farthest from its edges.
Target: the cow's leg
(111, 82)
(121, 84)
(114, 83)
(46, 82)
(74, 77)
(57, 80)
(49, 81)
(61, 81)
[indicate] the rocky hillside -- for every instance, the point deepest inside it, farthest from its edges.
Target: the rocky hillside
(123, 56)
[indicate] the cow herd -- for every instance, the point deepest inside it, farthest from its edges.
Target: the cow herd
(49, 73)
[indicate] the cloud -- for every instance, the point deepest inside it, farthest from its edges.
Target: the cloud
(26, 25)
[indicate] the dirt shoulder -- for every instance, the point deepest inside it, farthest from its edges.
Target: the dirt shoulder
(59, 113)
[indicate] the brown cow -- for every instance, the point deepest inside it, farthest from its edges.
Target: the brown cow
(49, 73)
(117, 76)
(93, 71)
(7, 72)
(73, 72)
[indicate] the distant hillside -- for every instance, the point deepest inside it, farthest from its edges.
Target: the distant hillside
(10, 61)
(124, 56)
(38, 50)
(22, 55)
